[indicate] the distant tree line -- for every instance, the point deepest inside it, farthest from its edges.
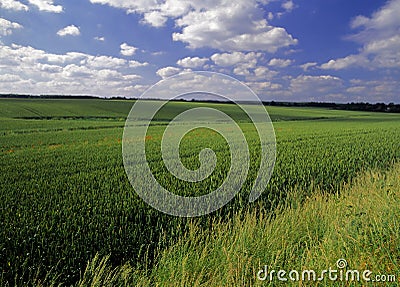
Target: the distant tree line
(25, 96)
(361, 106)
(377, 107)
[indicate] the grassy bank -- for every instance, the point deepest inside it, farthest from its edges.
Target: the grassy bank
(361, 225)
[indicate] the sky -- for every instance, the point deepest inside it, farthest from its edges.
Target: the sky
(285, 50)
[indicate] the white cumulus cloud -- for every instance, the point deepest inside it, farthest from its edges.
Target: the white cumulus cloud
(155, 19)
(316, 86)
(231, 26)
(25, 69)
(379, 37)
(168, 72)
(234, 58)
(127, 50)
(342, 63)
(13, 5)
(192, 62)
(374, 90)
(280, 63)
(46, 6)
(288, 5)
(262, 73)
(7, 27)
(70, 30)
(221, 24)
(308, 65)
(100, 39)
(130, 6)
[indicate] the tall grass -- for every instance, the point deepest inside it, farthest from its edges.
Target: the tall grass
(360, 225)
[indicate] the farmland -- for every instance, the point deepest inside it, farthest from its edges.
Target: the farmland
(65, 196)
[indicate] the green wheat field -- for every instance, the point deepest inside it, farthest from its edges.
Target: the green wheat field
(69, 216)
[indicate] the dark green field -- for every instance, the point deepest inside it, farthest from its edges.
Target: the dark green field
(65, 196)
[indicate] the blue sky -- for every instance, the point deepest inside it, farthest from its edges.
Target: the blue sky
(290, 50)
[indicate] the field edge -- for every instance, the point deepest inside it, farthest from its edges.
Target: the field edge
(359, 225)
